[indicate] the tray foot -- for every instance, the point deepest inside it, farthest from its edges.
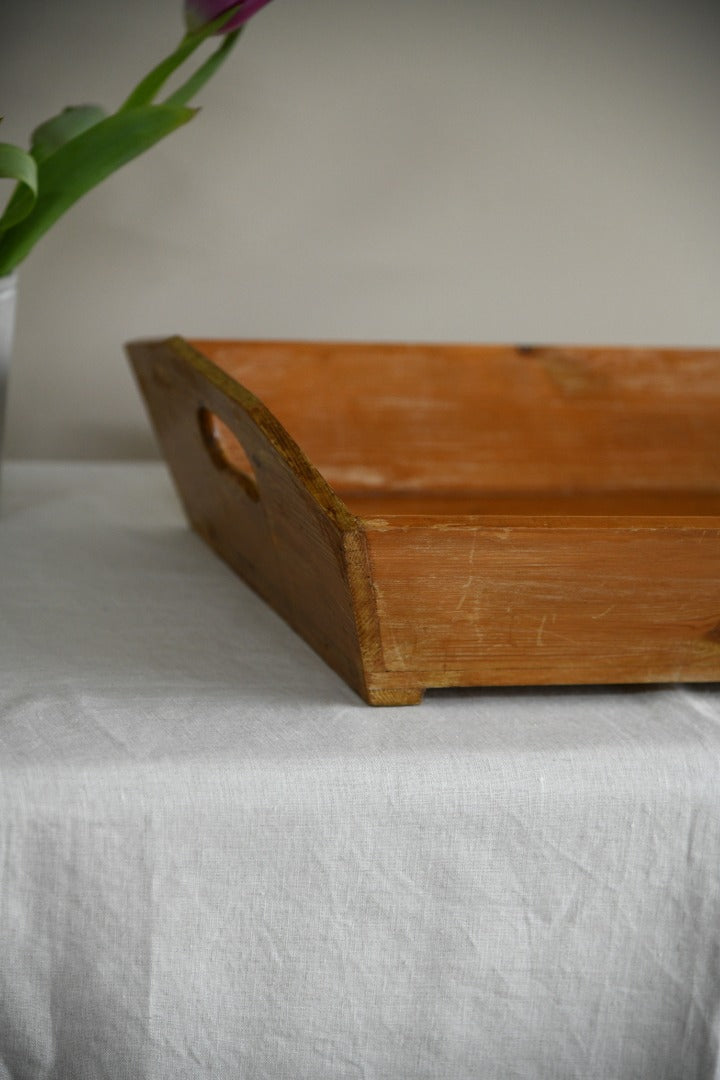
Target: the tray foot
(401, 696)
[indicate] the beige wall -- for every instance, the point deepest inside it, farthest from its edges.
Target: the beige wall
(467, 171)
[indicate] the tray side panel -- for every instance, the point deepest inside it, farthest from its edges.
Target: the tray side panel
(548, 604)
(281, 531)
(491, 419)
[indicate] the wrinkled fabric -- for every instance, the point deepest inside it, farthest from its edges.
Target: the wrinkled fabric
(218, 863)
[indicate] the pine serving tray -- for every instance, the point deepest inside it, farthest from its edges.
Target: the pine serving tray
(429, 516)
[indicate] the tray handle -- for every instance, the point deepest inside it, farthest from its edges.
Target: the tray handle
(227, 452)
(238, 432)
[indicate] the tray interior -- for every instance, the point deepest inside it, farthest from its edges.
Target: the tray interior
(408, 430)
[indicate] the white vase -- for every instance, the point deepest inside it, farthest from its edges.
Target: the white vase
(8, 296)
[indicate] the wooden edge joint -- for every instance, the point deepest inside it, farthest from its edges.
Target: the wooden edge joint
(409, 695)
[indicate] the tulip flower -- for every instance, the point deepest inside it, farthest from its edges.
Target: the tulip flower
(74, 151)
(198, 13)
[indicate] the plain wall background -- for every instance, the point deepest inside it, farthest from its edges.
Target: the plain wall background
(458, 170)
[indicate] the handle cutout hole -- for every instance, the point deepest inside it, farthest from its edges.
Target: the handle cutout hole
(227, 451)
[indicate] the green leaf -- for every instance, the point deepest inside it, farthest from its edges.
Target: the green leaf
(148, 88)
(60, 129)
(82, 163)
(205, 72)
(17, 164)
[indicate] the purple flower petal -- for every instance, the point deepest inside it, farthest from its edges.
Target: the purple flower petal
(200, 12)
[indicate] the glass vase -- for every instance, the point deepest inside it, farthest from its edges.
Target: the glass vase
(8, 295)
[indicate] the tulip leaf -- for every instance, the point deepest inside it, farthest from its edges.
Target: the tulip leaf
(68, 124)
(197, 80)
(17, 164)
(80, 164)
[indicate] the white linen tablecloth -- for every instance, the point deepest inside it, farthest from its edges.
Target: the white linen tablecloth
(218, 863)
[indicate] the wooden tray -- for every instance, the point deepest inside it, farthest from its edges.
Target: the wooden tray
(429, 516)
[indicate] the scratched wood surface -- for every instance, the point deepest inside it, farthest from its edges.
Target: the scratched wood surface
(538, 602)
(430, 516)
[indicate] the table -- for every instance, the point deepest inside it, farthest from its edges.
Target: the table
(217, 862)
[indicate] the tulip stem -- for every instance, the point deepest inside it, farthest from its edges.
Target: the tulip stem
(148, 87)
(146, 90)
(197, 80)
